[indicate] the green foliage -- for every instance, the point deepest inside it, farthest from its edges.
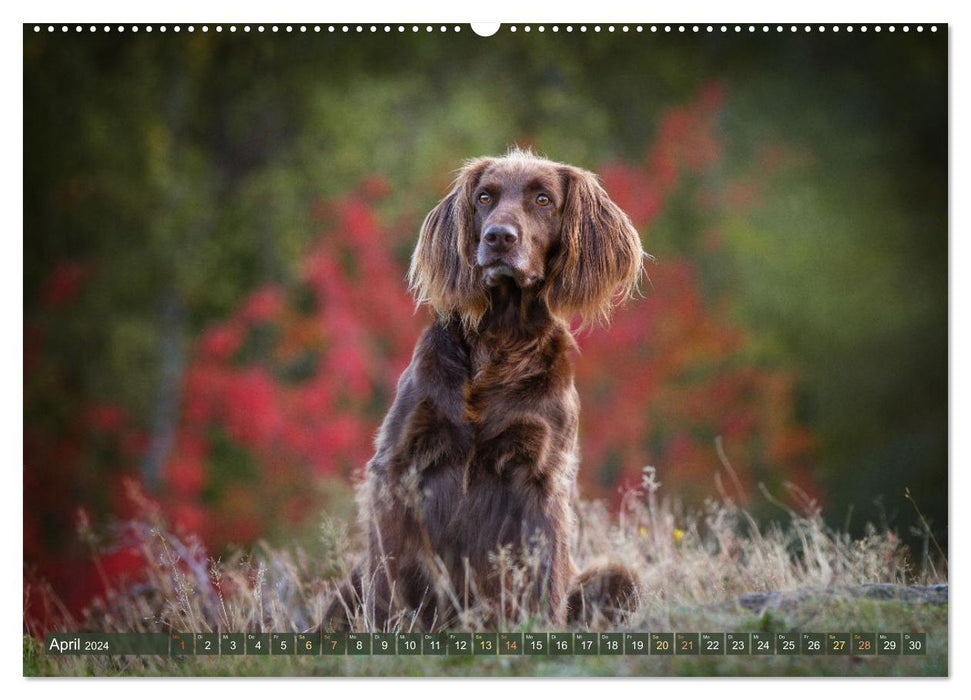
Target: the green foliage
(33, 657)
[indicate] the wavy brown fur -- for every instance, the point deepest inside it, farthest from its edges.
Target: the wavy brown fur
(477, 457)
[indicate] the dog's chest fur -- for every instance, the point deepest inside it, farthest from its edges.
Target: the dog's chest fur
(520, 423)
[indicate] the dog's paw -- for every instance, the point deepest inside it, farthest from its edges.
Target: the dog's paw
(602, 595)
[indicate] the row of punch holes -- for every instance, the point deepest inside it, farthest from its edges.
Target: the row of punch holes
(374, 29)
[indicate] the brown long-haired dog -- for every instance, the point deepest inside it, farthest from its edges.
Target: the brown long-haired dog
(479, 450)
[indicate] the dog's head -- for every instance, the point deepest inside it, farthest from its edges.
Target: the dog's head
(532, 223)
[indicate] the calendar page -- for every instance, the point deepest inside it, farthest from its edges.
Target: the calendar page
(438, 349)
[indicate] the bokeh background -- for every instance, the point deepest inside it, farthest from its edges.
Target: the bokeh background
(217, 228)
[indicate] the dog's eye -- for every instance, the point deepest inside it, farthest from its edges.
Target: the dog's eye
(543, 200)
(484, 198)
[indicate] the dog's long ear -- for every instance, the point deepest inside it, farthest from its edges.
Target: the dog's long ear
(442, 271)
(599, 259)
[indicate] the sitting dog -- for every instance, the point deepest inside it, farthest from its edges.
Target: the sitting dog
(479, 449)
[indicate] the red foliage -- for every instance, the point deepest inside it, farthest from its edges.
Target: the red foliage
(221, 342)
(263, 306)
(671, 374)
(678, 377)
(105, 418)
(686, 144)
(345, 346)
(64, 284)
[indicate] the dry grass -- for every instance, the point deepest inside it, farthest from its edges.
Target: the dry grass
(682, 558)
(693, 566)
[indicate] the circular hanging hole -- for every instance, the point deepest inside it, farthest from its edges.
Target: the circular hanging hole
(485, 28)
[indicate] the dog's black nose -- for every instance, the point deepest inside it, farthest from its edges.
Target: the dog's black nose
(500, 238)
